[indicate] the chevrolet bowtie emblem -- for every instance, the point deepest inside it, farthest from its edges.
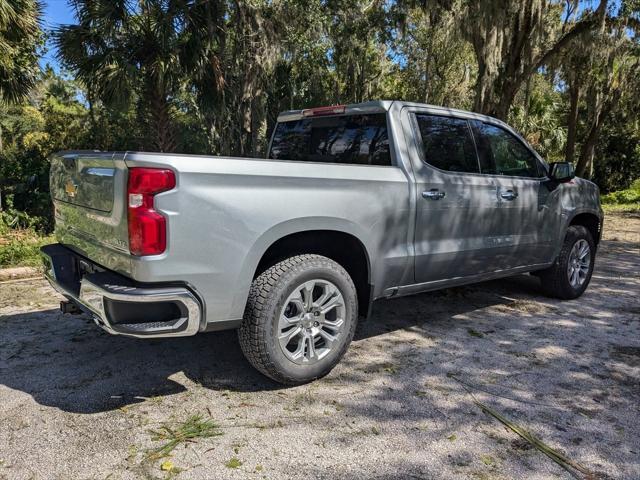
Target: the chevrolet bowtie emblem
(71, 188)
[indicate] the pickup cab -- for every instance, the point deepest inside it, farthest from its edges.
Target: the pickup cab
(353, 204)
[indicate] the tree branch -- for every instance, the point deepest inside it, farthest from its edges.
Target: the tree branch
(581, 27)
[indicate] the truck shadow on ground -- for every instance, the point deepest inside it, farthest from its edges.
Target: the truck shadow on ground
(67, 362)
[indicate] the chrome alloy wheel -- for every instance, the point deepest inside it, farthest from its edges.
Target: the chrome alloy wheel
(579, 263)
(311, 321)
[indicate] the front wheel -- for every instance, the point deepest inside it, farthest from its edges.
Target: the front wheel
(570, 275)
(300, 318)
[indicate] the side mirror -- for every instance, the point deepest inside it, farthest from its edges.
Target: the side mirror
(561, 172)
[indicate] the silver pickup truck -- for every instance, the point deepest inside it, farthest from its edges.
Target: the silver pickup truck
(354, 203)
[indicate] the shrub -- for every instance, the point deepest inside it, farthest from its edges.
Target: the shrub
(19, 241)
(21, 248)
(624, 197)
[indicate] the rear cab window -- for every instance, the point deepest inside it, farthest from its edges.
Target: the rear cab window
(447, 143)
(346, 139)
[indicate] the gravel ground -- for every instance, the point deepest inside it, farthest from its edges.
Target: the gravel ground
(78, 403)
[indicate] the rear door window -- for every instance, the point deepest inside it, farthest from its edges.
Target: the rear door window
(349, 139)
(501, 153)
(447, 143)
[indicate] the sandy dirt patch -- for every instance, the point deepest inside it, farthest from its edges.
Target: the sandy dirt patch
(76, 402)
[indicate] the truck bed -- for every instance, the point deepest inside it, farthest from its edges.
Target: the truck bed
(224, 213)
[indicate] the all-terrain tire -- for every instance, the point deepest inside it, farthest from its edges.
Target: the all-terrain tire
(258, 333)
(555, 280)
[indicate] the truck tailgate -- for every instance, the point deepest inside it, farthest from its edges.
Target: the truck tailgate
(88, 191)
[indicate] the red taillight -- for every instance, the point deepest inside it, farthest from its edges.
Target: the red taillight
(319, 111)
(147, 228)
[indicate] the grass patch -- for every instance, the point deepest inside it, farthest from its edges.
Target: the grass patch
(233, 462)
(623, 200)
(21, 248)
(621, 208)
(187, 432)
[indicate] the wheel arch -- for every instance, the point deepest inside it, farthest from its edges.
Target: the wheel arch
(336, 239)
(341, 247)
(590, 221)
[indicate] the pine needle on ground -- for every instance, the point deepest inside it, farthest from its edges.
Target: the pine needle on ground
(194, 427)
(550, 452)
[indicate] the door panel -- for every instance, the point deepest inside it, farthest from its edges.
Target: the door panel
(457, 235)
(521, 219)
(457, 209)
(479, 219)
(526, 205)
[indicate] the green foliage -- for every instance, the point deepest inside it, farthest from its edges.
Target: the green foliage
(211, 77)
(617, 154)
(126, 57)
(173, 435)
(438, 65)
(20, 39)
(624, 197)
(19, 242)
(538, 116)
(22, 249)
(53, 119)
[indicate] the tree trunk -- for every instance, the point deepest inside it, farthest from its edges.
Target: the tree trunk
(211, 71)
(587, 152)
(160, 122)
(482, 83)
(501, 109)
(588, 147)
(1, 182)
(426, 79)
(92, 118)
(572, 120)
(247, 78)
(602, 107)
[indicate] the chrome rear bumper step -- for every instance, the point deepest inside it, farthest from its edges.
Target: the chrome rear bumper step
(117, 304)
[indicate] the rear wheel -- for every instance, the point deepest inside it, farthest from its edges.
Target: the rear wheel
(571, 273)
(300, 319)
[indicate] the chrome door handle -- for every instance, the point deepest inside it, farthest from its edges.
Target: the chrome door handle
(509, 195)
(433, 194)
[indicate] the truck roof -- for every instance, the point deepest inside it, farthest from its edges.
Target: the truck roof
(380, 106)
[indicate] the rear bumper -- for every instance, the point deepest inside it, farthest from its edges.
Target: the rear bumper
(118, 304)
